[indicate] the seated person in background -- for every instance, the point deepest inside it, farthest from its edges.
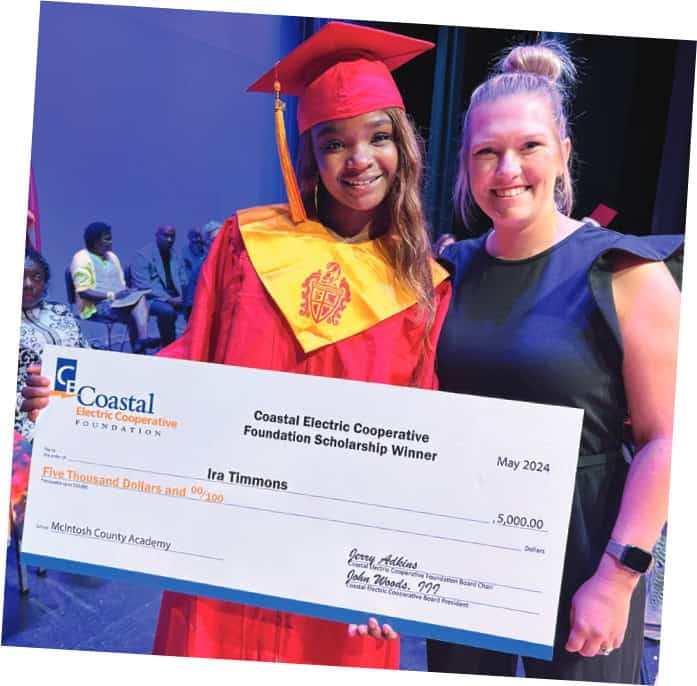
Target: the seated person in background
(193, 257)
(195, 251)
(42, 322)
(100, 283)
(209, 232)
(159, 269)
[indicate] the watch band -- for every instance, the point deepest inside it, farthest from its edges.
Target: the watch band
(632, 557)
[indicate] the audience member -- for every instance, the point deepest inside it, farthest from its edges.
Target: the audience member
(193, 257)
(195, 251)
(100, 286)
(42, 322)
(210, 231)
(159, 269)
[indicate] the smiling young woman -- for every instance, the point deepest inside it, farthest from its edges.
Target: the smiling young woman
(357, 162)
(338, 282)
(547, 309)
(375, 174)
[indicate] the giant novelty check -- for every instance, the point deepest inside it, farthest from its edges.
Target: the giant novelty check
(443, 514)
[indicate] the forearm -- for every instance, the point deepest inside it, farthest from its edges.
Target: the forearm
(647, 306)
(644, 505)
(648, 309)
(96, 296)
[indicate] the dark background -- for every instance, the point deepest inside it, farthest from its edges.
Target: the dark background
(630, 120)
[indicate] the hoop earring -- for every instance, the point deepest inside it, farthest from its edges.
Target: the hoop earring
(316, 199)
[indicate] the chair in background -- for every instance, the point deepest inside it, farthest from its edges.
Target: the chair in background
(109, 322)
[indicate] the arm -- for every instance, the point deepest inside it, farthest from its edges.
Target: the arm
(179, 279)
(647, 303)
(97, 296)
(123, 291)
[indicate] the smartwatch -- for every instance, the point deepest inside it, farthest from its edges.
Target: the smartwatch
(630, 556)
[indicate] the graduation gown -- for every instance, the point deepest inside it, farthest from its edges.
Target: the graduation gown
(235, 320)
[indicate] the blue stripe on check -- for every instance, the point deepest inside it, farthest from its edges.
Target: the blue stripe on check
(338, 614)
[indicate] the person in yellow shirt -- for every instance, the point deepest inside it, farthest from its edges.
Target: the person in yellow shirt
(99, 283)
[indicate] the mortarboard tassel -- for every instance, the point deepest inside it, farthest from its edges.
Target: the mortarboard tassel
(295, 202)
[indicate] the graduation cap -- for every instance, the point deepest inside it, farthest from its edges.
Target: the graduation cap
(341, 71)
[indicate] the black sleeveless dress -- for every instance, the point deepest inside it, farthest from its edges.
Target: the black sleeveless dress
(544, 329)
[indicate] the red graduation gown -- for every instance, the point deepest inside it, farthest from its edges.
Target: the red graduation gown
(234, 321)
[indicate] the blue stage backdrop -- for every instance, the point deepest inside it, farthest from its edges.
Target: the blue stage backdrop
(141, 118)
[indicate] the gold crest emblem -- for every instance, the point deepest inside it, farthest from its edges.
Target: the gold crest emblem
(325, 295)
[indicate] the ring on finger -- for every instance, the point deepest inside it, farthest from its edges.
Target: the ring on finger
(604, 651)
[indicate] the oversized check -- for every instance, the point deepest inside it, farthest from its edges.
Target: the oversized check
(443, 514)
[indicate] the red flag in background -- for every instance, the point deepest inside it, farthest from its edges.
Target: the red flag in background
(33, 226)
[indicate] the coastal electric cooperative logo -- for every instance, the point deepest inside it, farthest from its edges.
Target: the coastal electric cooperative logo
(66, 373)
(98, 411)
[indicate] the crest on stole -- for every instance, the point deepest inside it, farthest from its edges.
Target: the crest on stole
(325, 295)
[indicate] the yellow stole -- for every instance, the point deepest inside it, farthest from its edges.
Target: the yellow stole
(327, 290)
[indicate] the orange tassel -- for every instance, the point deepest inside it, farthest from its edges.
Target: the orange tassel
(295, 202)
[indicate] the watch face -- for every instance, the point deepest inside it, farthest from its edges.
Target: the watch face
(636, 558)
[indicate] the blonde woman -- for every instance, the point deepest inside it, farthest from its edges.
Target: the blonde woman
(548, 309)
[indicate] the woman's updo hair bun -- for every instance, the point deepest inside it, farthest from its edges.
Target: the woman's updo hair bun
(549, 59)
(533, 58)
(544, 69)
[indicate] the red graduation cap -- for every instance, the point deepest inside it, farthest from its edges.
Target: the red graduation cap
(341, 71)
